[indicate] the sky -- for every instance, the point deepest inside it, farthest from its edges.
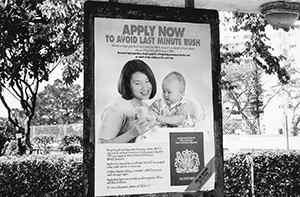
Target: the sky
(13, 103)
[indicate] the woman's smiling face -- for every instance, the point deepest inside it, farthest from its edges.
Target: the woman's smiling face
(140, 86)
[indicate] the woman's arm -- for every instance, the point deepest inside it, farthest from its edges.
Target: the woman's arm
(113, 120)
(124, 138)
(140, 127)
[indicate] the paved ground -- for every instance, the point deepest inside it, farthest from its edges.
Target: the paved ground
(238, 142)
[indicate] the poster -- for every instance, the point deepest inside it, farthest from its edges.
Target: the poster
(146, 166)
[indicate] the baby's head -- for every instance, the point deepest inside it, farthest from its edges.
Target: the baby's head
(173, 87)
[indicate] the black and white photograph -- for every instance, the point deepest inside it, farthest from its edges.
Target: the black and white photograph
(152, 80)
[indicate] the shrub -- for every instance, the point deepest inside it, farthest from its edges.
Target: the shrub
(12, 148)
(71, 144)
(44, 142)
(7, 134)
(3, 141)
(276, 173)
(295, 131)
(41, 176)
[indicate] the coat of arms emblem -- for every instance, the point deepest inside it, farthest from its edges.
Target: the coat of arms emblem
(187, 161)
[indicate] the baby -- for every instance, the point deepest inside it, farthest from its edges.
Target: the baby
(172, 109)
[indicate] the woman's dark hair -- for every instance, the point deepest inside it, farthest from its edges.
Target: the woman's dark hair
(131, 67)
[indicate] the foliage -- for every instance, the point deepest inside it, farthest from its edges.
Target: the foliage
(244, 93)
(3, 122)
(256, 99)
(71, 144)
(243, 67)
(59, 104)
(38, 175)
(256, 49)
(7, 133)
(23, 57)
(294, 103)
(66, 18)
(3, 141)
(35, 35)
(237, 175)
(12, 148)
(258, 46)
(276, 173)
(7, 129)
(44, 142)
(54, 175)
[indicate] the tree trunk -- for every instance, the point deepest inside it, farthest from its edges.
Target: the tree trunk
(27, 137)
(21, 146)
(295, 126)
(250, 124)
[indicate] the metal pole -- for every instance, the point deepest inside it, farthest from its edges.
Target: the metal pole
(190, 3)
(287, 133)
(286, 46)
(252, 175)
(250, 161)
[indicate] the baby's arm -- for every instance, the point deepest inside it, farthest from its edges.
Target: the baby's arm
(154, 111)
(175, 120)
(180, 116)
(152, 117)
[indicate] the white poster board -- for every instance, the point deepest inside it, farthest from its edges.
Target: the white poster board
(145, 166)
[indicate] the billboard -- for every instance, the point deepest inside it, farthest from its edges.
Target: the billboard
(149, 99)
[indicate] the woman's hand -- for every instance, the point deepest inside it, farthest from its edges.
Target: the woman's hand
(142, 125)
(152, 121)
(160, 120)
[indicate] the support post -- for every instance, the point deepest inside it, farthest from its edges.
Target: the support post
(190, 3)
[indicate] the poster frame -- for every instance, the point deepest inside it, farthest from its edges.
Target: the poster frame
(94, 9)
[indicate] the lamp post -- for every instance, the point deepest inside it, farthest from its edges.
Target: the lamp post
(285, 116)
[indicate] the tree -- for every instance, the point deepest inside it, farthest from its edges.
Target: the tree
(243, 90)
(36, 36)
(294, 94)
(66, 24)
(59, 104)
(296, 118)
(259, 55)
(256, 98)
(257, 48)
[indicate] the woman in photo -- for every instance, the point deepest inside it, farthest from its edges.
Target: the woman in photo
(120, 122)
